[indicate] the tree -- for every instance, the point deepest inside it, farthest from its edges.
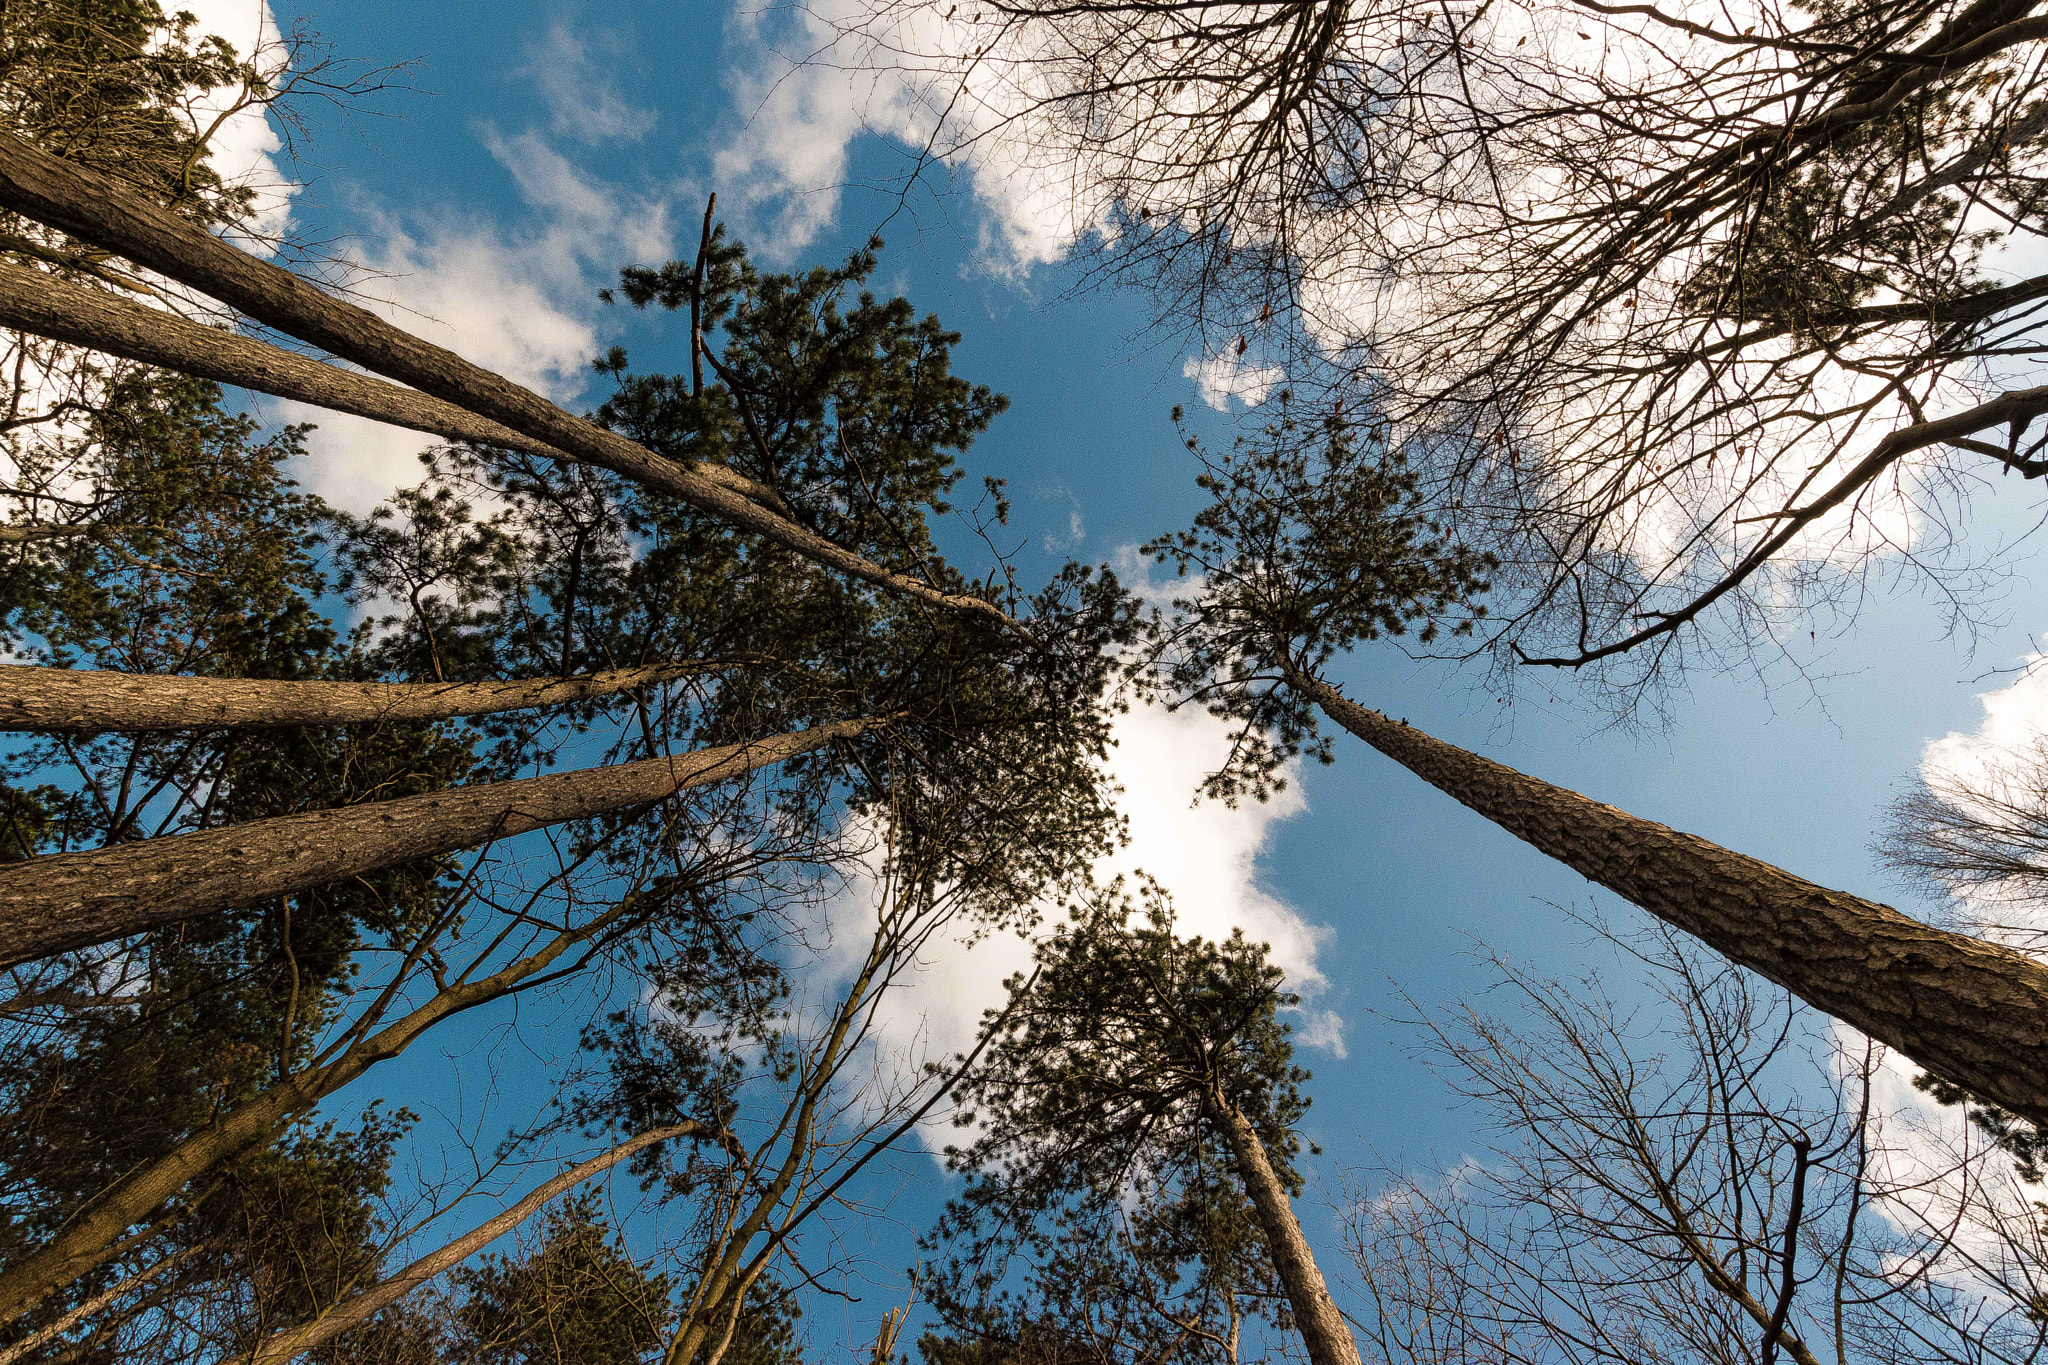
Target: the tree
(1701, 1178)
(1135, 1154)
(79, 202)
(982, 778)
(574, 1298)
(1689, 321)
(1307, 549)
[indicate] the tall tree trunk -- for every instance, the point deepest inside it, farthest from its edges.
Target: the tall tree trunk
(34, 302)
(95, 209)
(97, 1232)
(71, 900)
(1971, 1012)
(90, 701)
(292, 1342)
(1323, 1329)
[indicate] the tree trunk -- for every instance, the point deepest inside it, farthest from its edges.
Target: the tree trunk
(94, 1234)
(31, 301)
(1971, 1012)
(95, 209)
(292, 1342)
(72, 900)
(90, 701)
(1323, 1329)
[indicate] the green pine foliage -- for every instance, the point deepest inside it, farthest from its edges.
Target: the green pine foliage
(1103, 1219)
(1315, 539)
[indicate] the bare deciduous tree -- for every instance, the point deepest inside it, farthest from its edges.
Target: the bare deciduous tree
(1706, 1178)
(1690, 318)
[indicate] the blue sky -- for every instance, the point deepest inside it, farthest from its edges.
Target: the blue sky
(548, 144)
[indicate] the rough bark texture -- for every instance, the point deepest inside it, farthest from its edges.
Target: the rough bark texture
(72, 900)
(33, 302)
(1323, 1329)
(1972, 1012)
(90, 701)
(95, 209)
(296, 1341)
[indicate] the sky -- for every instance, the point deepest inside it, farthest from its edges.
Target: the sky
(546, 144)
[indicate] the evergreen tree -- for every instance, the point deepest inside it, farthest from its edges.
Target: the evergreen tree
(575, 1297)
(1135, 1156)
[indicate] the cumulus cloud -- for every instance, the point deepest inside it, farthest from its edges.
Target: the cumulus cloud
(1205, 855)
(2015, 719)
(1220, 378)
(1992, 775)
(246, 145)
(804, 91)
(515, 297)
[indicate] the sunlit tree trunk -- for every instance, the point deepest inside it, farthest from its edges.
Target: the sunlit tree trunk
(95, 700)
(72, 900)
(93, 208)
(34, 302)
(1972, 1012)
(1323, 1329)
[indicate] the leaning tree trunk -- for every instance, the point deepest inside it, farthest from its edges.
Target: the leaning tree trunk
(72, 900)
(1971, 1012)
(42, 305)
(95, 209)
(1323, 1329)
(93, 700)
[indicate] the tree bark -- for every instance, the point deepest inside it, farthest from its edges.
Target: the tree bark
(31, 301)
(97, 1232)
(95, 209)
(1971, 1012)
(88, 701)
(1323, 1329)
(292, 1342)
(72, 900)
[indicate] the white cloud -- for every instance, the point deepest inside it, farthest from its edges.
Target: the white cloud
(1220, 378)
(245, 147)
(2015, 718)
(1996, 761)
(516, 297)
(582, 98)
(806, 90)
(1206, 855)
(782, 170)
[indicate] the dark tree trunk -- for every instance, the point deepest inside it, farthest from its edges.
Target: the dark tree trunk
(90, 701)
(95, 209)
(73, 900)
(1971, 1012)
(40, 304)
(1323, 1329)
